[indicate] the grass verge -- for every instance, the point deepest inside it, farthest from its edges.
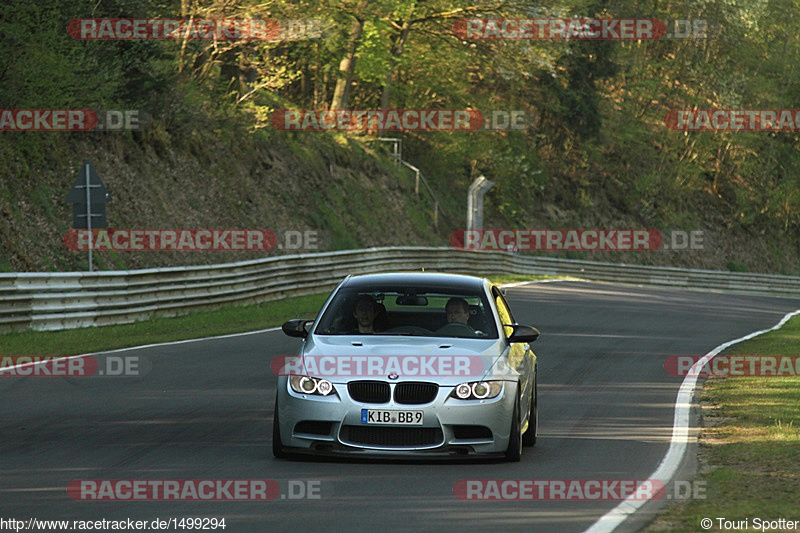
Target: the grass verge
(749, 451)
(231, 319)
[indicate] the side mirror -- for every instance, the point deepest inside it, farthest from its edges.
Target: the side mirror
(296, 327)
(523, 333)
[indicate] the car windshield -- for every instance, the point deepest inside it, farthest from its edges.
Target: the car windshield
(411, 311)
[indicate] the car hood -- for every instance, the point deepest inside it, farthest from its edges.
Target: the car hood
(446, 361)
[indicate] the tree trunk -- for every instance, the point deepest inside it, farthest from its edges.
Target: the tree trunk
(184, 14)
(396, 51)
(348, 64)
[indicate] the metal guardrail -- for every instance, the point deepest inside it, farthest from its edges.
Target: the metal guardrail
(52, 301)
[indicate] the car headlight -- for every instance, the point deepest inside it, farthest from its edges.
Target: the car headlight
(477, 390)
(308, 385)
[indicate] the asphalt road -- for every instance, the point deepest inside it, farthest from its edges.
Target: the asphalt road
(204, 411)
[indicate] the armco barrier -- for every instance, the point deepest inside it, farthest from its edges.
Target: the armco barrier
(61, 300)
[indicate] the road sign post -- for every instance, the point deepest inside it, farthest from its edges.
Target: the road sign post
(88, 198)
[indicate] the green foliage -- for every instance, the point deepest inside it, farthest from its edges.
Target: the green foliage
(598, 149)
(43, 67)
(733, 266)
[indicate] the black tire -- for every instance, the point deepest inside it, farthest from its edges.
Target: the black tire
(277, 443)
(514, 450)
(529, 437)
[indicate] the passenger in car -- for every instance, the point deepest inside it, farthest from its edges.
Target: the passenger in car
(365, 311)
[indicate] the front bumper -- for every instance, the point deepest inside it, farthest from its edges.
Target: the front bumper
(451, 427)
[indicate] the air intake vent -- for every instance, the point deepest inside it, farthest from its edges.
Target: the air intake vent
(395, 437)
(472, 432)
(410, 393)
(369, 391)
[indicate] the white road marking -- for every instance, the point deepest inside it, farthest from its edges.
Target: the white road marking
(184, 341)
(680, 435)
(521, 283)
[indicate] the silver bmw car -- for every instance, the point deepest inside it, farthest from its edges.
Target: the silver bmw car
(408, 364)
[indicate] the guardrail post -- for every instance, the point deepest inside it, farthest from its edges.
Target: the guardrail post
(475, 194)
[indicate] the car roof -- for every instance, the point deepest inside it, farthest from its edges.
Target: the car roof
(426, 280)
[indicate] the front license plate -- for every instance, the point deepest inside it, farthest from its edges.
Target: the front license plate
(385, 416)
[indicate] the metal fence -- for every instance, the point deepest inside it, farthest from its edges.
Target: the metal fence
(51, 301)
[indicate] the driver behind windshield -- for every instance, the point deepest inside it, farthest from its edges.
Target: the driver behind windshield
(457, 311)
